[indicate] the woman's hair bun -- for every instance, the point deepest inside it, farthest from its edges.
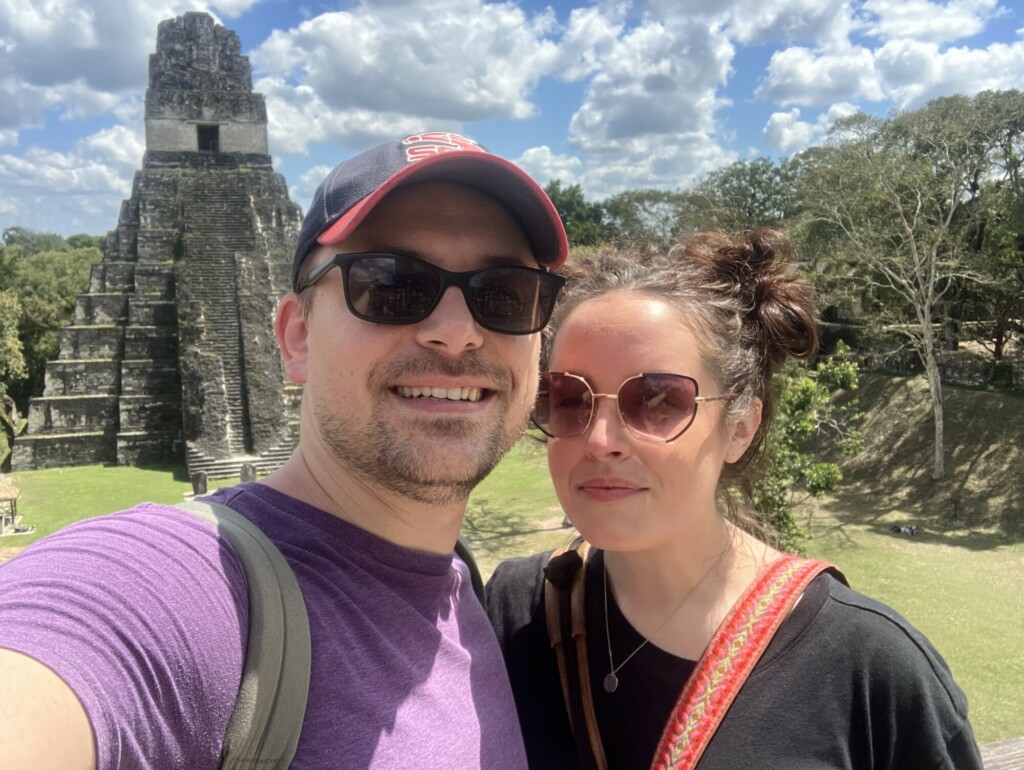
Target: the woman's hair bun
(756, 268)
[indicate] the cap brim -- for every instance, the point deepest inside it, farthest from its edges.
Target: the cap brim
(495, 176)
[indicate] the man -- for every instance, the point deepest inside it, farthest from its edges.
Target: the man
(420, 285)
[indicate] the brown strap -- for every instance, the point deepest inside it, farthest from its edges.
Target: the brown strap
(565, 614)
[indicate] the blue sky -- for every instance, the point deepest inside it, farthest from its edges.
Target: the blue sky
(612, 95)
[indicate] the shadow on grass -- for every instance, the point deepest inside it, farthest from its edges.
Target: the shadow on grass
(178, 470)
(978, 505)
(484, 523)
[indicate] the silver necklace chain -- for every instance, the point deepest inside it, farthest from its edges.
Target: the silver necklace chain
(611, 682)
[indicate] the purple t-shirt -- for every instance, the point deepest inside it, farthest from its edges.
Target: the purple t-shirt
(144, 614)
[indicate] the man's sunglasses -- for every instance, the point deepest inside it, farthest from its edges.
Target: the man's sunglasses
(651, 405)
(399, 289)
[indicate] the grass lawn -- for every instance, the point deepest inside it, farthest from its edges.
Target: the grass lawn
(962, 588)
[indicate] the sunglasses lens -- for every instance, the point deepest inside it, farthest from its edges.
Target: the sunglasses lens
(511, 300)
(564, 405)
(395, 289)
(391, 289)
(660, 405)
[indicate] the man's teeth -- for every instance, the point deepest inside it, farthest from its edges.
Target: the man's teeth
(451, 394)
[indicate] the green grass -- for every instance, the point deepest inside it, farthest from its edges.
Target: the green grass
(960, 580)
(967, 599)
(53, 498)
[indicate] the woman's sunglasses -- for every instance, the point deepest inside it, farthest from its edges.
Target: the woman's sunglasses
(398, 289)
(651, 405)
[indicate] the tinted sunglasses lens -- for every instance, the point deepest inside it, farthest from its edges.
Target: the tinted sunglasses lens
(564, 405)
(511, 300)
(660, 405)
(391, 289)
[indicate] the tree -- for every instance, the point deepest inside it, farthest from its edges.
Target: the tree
(747, 194)
(30, 242)
(83, 241)
(644, 217)
(12, 366)
(810, 423)
(991, 309)
(46, 284)
(582, 220)
(893, 191)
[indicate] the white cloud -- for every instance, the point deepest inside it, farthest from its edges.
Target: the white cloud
(544, 165)
(804, 77)
(233, 8)
(786, 132)
(354, 71)
(119, 145)
(8, 138)
(589, 36)
(785, 21)
(83, 57)
(914, 73)
(926, 21)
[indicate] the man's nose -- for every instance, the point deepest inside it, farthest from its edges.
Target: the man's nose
(450, 327)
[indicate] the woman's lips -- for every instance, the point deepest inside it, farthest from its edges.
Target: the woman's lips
(609, 490)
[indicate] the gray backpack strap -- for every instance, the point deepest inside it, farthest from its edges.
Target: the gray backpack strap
(464, 552)
(264, 728)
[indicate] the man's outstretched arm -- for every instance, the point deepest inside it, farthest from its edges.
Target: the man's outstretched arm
(42, 723)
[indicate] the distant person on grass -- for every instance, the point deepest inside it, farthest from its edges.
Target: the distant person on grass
(421, 284)
(656, 400)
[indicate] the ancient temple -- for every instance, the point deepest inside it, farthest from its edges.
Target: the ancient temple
(171, 352)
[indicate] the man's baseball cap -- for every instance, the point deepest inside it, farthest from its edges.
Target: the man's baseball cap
(355, 186)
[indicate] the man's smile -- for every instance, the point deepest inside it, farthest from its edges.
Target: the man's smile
(448, 394)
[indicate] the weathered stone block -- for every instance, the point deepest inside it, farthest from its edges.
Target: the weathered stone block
(71, 414)
(152, 342)
(155, 279)
(78, 342)
(58, 450)
(156, 246)
(146, 311)
(150, 413)
(112, 277)
(146, 377)
(962, 367)
(145, 447)
(67, 378)
(101, 309)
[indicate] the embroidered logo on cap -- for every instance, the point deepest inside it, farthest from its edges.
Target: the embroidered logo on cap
(420, 146)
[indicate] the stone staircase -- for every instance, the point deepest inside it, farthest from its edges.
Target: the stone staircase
(218, 224)
(113, 394)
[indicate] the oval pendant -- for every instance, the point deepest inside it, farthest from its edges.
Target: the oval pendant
(611, 683)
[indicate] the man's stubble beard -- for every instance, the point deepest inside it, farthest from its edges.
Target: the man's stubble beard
(424, 460)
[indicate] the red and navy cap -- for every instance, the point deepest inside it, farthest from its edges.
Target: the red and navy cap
(355, 186)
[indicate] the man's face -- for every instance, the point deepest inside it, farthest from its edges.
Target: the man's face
(427, 409)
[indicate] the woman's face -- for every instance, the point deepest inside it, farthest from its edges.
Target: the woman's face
(625, 493)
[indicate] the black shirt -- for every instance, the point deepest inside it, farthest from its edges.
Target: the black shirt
(845, 683)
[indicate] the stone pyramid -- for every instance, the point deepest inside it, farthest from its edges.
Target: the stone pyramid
(171, 353)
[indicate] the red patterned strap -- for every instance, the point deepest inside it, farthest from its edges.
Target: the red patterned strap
(729, 658)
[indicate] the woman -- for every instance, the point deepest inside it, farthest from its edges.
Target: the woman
(656, 400)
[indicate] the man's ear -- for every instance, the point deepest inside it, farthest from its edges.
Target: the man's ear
(743, 432)
(292, 338)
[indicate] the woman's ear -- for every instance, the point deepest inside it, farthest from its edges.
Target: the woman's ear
(743, 432)
(292, 337)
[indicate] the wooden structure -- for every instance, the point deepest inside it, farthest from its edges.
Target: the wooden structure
(9, 495)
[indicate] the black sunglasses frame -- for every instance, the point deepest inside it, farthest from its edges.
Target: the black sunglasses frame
(463, 280)
(594, 396)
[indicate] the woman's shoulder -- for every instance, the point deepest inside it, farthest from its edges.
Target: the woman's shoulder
(515, 592)
(881, 639)
(517, 579)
